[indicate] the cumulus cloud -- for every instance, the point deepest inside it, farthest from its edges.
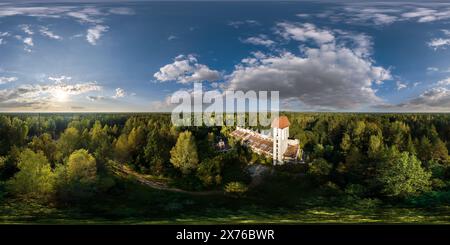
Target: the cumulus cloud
(434, 99)
(28, 41)
(444, 82)
(4, 80)
(330, 76)
(119, 93)
(26, 29)
(304, 32)
(32, 95)
(46, 32)
(2, 36)
(438, 43)
(259, 40)
(186, 69)
(94, 33)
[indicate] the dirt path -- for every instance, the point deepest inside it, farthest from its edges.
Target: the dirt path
(125, 171)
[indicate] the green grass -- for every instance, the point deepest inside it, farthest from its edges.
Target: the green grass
(37, 214)
(274, 202)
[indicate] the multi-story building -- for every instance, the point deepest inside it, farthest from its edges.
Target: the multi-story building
(275, 144)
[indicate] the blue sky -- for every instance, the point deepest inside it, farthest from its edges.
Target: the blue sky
(132, 56)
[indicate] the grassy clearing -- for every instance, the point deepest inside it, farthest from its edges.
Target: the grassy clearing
(275, 202)
(26, 213)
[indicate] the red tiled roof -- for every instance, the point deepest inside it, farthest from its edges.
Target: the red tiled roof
(281, 122)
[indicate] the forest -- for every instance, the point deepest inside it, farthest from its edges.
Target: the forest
(138, 168)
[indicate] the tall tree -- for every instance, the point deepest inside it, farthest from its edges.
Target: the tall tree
(69, 141)
(35, 179)
(401, 175)
(184, 154)
(45, 144)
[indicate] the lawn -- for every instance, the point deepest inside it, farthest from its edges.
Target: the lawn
(179, 211)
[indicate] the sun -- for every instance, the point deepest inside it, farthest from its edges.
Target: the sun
(60, 95)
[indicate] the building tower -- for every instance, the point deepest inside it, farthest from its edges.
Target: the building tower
(280, 132)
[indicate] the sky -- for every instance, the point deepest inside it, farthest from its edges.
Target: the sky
(132, 56)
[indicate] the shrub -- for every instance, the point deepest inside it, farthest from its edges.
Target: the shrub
(236, 188)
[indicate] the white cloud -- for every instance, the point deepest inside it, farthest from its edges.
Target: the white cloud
(383, 19)
(122, 11)
(434, 99)
(302, 15)
(444, 82)
(4, 80)
(26, 29)
(186, 69)
(94, 33)
(48, 12)
(427, 14)
(2, 35)
(172, 37)
(119, 93)
(259, 40)
(37, 95)
(437, 43)
(432, 69)
(304, 32)
(360, 43)
(87, 15)
(46, 32)
(59, 79)
(28, 41)
(239, 23)
(326, 77)
(364, 14)
(400, 85)
(73, 89)
(333, 72)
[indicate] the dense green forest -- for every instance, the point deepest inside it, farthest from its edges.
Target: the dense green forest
(139, 168)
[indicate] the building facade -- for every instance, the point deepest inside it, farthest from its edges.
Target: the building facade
(275, 145)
